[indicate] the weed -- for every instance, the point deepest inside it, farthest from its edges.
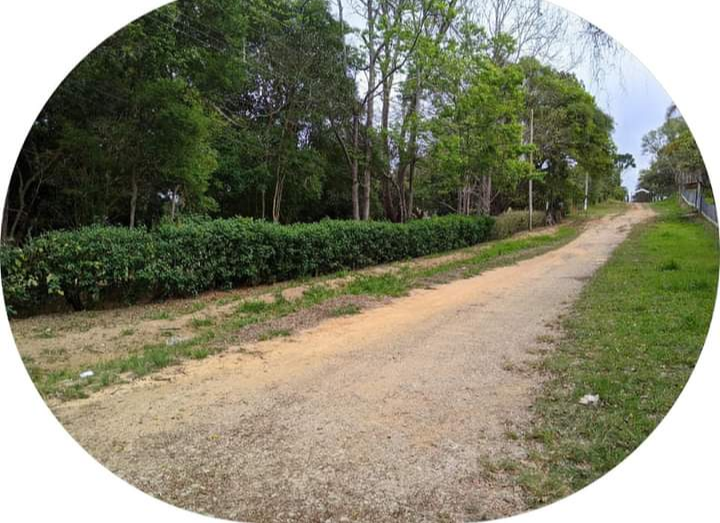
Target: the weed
(199, 354)
(198, 323)
(317, 294)
(382, 285)
(196, 306)
(159, 315)
(346, 310)
(253, 307)
(274, 333)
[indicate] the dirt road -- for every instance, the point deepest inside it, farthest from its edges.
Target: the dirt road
(395, 414)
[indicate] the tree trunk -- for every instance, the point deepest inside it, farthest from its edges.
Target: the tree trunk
(133, 199)
(262, 202)
(532, 165)
(173, 207)
(22, 190)
(5, 219)
(354, 168)
(485, 196)
(402, 208)
(410, 191)
(106, 203)
(415, 109)
(370, 112)
(277, 197)
(353, 160)
(388, 203)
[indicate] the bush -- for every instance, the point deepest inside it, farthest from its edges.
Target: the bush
(95, 264)
(513, 222)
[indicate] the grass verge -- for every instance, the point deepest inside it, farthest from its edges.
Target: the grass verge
(633, 338)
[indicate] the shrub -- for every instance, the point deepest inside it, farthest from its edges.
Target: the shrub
(513, 222)
(95, 264)
(17, 281)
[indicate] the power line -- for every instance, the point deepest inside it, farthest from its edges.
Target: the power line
(168, 20)
(202, 42)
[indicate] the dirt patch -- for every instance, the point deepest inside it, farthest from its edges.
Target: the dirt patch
(399, 413)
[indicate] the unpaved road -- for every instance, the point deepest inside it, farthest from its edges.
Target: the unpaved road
(395, 414)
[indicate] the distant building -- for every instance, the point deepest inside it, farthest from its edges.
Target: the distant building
(642, 195)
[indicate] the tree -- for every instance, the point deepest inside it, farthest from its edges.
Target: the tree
(573, 136)
(270, 109)
(673, 152)
(538, 30)
(476, 135)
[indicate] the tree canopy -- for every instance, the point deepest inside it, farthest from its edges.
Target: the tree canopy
(673, 152)
(279, 110)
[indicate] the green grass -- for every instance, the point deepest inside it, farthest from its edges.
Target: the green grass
(66, 383)
(346, 310)
(199, 354)
(633, 338)
(610, 207)
(159, 315)
(199, 323)
(274, 333)
(387, 284)
(317, 294)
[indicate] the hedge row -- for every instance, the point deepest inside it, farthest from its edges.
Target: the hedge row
(99, 263)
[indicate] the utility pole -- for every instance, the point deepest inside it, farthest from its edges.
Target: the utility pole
(587, 185)
(532, 165)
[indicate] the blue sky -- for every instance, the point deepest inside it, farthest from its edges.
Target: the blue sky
(636, 101)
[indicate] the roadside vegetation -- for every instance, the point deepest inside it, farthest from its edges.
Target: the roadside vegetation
(268, 316)
(93, 265)
(632, 339)
(673, 152)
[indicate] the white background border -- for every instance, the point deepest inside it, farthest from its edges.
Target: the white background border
(45, 475)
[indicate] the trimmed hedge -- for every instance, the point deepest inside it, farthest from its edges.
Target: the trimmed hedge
(99, 263)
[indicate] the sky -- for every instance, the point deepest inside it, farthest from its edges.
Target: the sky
(636, 101)
(628, 92)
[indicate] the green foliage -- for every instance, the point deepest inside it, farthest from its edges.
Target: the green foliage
(383, 285)
(573, 137)
(674, 152)
(256, 109)
(476, 133)
(94, 264)
(274, 333)
(346, 310)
